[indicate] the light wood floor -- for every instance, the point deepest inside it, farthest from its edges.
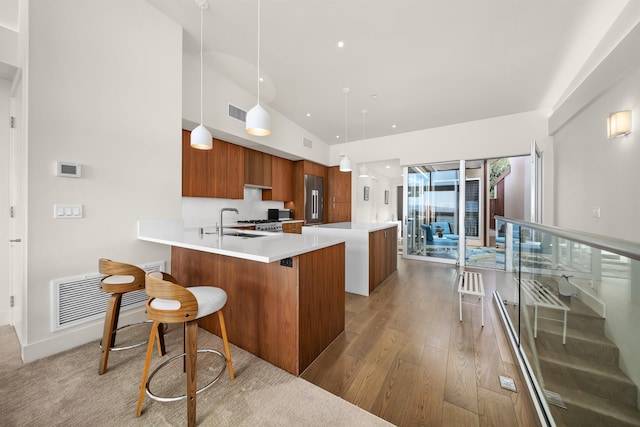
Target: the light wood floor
(406, 357)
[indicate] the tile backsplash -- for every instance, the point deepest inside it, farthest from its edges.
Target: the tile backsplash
(204, 212)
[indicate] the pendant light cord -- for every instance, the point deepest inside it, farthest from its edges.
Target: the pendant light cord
(258, 51)
(346, 127)
(201, 63)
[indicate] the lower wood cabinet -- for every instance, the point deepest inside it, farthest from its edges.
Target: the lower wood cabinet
(284, 314)
(292, 227)
(383, 255)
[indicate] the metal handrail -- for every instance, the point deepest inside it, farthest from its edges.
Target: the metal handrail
(610, 244)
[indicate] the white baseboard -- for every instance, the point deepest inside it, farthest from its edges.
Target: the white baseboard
(5, 317)
(73, 337)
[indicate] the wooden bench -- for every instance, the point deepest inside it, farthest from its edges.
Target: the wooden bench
(471, 284)
(541, 296)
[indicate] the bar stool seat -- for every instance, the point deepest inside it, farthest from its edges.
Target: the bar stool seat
(171, 303)
(120, 278)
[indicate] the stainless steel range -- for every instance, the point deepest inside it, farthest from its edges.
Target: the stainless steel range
(275, 227)
(264, 225)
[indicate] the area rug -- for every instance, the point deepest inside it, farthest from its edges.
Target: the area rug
(66, 390)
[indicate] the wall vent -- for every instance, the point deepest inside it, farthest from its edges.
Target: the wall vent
(307, 143)
(237, 113)
(78, 300)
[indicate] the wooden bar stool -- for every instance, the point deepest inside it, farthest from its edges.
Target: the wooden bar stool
(171, 303)
(120, 278)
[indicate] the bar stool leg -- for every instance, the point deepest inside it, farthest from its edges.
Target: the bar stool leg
(191, 343)
(223, 329)
(147, 364)
(108, 336)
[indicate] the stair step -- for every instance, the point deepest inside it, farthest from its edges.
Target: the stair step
(586, 345)
(581, 316)
(600, 379)
(584, 409)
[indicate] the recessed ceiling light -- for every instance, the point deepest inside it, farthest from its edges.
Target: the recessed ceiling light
(374, 97)
(308, 114)
(340, 43)
(337, 136)
(388, 167)
(393, 126)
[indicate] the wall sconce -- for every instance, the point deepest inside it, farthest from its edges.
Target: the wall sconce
(619, 124)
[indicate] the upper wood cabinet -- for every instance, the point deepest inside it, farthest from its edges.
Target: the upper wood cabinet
(257, 168)
(281, 180)
(235, 172)
(215, 173)
(195, 169)
(339, 185)
(338, 204)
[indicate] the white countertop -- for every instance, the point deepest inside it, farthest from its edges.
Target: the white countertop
(352, 226)
(269, 248)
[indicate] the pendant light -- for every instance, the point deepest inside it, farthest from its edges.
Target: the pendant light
(258, 122)
(345, 163)
(201, 138)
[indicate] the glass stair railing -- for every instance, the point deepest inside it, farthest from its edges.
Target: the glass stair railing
(571, 304)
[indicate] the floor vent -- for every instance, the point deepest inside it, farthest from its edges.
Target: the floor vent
(78, 300)
(237, 113)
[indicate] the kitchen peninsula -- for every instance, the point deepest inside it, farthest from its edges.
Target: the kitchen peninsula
(285, 292)
(371, 252)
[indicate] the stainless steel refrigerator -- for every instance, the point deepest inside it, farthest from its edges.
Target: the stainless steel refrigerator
(313, 199)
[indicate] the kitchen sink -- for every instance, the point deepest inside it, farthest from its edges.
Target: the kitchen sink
(244, 235)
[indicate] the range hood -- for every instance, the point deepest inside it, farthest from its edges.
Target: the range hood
(263, 187)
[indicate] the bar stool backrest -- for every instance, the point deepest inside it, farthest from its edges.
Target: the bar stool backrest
(180, 305)
(129, 277)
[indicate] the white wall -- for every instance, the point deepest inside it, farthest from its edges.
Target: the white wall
(374, 209)
(517, 189)
(504, 136)
(105, 85)
(286, 139)
(5, 87)
(593, 171)
(205, 212)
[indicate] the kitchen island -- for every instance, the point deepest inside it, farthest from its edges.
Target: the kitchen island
(371, 251)
(285, 292)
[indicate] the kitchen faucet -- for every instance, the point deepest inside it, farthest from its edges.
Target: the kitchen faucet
(222, 210)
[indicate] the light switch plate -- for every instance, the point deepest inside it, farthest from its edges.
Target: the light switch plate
(61, 211)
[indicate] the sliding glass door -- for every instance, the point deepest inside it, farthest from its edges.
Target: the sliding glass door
(448, 215)
(432, 207)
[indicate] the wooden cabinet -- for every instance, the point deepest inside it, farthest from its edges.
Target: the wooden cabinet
(284, 315)
(338, 212)
(281, 180)
(338, 204)
(215, 173)
(383, 255)
(257, 168)
(235, 172)
(292, 227)
(339, 185)
(195, 167)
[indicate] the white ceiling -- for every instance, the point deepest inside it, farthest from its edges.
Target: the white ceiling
(430, 63)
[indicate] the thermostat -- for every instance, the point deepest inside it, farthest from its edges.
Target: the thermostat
(68, 169)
